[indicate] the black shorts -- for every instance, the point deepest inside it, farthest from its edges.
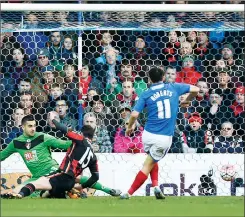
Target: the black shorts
(61, 182)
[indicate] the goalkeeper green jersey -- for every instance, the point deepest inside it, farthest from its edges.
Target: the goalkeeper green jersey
(35, 151)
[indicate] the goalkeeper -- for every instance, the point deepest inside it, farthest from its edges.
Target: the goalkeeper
(34, 148)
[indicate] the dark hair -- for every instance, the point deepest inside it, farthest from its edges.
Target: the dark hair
(140, 36)
(97, 98)
(27, 118)
(71, 62)
(67, 65)
(106, 31)
(85, 63)
(126, 62)
(128, 80)
(88, 131)
(25, 58)
(156, 74)
(54, 32)
(170, 67)
(18, 48)
(178, 33)
(216, 91)
(28, 80)
(202, 80)
(158, 63)
(93, 88)
(27, 93)
(62, 97)
(56, 85)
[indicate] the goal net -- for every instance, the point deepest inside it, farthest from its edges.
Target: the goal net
(89, 63)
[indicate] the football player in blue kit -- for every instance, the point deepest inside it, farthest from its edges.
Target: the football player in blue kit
(161, 101)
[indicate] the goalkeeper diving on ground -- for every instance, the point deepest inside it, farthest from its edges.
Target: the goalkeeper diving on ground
(34, 148)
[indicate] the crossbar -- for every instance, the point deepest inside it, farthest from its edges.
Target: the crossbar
(124, 7)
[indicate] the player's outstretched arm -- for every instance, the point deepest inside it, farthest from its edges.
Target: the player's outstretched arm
(193, 92)
(69, 133)
(7, 151)
(53, 142)
(54, 121)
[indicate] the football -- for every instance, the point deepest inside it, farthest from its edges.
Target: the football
(74, 194)
(228, 172)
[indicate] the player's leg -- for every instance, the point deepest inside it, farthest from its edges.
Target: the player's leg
(47, 194)
(154, 175)
(156, 147)
(40, 184)
(57, 183)
(141, 177)
(99, 186)
(17, 189)
(36, 193)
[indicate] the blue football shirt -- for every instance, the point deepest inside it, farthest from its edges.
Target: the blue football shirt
(162, 102)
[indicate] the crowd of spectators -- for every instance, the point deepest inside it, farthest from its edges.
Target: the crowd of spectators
(39, 74)
(64, 19)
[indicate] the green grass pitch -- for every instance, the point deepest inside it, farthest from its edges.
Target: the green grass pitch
(136, 206)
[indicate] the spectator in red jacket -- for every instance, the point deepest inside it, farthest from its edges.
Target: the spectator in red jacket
(129, 144)
(195, 138)
(86, 81)
(238, 105)
(188, 74)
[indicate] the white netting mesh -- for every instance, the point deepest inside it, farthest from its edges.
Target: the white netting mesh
(39, 73)
(64, 20)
